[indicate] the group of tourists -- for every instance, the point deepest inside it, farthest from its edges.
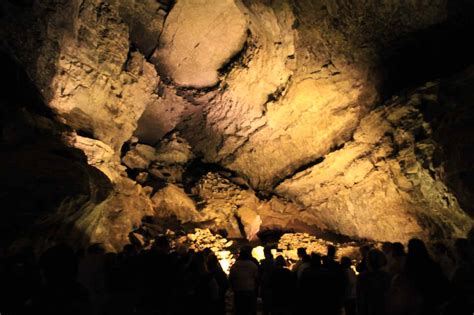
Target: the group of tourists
(390, 280)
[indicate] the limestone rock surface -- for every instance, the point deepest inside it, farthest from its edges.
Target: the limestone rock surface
(109, 222)
(145, 21)
(384, 184)
(290, 242)
(280, 109)
(101, 156)
(173, 201)
(300, 86)
(139, 157)
(83, 67)
(251, 222)
(174, 150)
(192, 48)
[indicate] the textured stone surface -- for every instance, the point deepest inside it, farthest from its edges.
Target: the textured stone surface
(229, 205)
(174, 150)
(109, 222)
(139, 157)
(192, 48)
(251, 222)
(100, 155)
(450, 128)
(384, 184)
(290, 242)
(275, 117)
(145, 22)
(173, 201)
(84, 69)
(281, 99)
(161, 117)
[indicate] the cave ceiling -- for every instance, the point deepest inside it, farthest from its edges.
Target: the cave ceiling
(323, 116)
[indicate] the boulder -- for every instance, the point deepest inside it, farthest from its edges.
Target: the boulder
(100, 155)
(140, 157)
(251, 222)
(193, 48)
(173, 201)
(174, 150)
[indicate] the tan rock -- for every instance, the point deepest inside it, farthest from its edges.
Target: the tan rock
(137, 239)
(147, 190)
(290, 242)
(173, 201)
(101, 156)
(172, 174)
(145, 24)
(175, 150)
(365, 190)
(193, 48)
(108, 222)
(289, 107)
(251, 222)
(162, 116)
(142, 177)
(139, 157)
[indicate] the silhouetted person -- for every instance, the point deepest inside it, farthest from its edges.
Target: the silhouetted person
(329, 261)
(463, 280)
(61, 294)
(305, 263)
(158, 270)
(267, 265)
(398, 259)
(362, 265)
(321, 286)
(219, 275)
(337, 283)
(426, 277)
(387, 248)
(403, 298)
(202, 288)
(92, 276)
(301, 252)
(310, 286)
(372, 285)
(283, 288)
(244, 282)
(444, 258)
(125, 283)
(350, 290)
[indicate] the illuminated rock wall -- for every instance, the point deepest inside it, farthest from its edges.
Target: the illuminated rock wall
(254, 115)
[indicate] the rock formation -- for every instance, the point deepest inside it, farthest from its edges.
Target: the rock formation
(329, 117)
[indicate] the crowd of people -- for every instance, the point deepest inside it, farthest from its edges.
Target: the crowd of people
(391, 280)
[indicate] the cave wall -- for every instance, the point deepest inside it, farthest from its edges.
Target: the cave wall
(286, 100)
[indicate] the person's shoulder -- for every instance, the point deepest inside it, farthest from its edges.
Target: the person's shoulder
(252, 263)
(235, 265)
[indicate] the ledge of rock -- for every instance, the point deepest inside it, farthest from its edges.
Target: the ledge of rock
(385, 184)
